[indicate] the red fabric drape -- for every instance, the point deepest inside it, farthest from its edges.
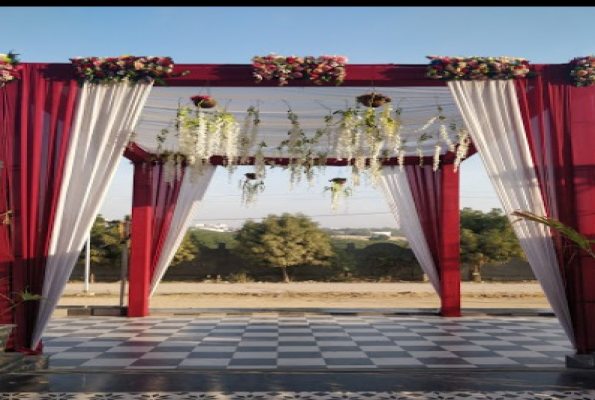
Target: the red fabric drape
(7, 106)
(154, 201)
(436, 197)
(425, 184)
(165, 197)
(36, 134)
(560, 123)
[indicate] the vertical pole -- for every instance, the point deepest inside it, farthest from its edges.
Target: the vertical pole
(140, 242)
(123, 275)
(87, 263)
(449, 243)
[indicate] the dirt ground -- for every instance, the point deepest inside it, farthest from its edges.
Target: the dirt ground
(402, 295)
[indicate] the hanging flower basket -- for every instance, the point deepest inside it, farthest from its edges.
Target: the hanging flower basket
(373, 99)
(251, 187)
(204, 101)
(338, 192)
(338, 181)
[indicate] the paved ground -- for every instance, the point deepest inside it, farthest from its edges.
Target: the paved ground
(401, 295)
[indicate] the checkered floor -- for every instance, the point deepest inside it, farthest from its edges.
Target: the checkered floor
(299, 342)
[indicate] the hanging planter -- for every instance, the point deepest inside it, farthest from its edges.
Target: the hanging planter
(338, 192)
(204, 101)
(338, 181)
(251, 187)
(373, 99)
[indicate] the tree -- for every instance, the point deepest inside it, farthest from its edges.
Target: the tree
(187, 251)
(106, 242)
(386, 261)
(487, 237)
(284, 242)
(203, 238)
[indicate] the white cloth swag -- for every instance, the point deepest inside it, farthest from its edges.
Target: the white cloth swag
(491, 113)
(191, 194)
(397, 193)
(105, 117)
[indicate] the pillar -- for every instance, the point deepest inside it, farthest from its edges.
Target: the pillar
(139, 275)
(449, 243)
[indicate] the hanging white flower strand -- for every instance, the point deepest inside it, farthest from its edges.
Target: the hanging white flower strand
(463, 147)
(436, 159)
(202, 135)
(248, 134)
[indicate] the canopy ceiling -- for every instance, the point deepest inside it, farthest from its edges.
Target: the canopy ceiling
(235, 90)
(311, 104)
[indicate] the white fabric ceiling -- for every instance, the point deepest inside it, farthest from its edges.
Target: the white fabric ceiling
(311, 104)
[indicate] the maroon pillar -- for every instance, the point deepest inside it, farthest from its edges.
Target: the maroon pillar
(580, 275)
(449, 244)
(139, 275)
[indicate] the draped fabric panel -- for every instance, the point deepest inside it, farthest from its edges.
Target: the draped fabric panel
(398, 194)
(106, 115)
(37, 115)
(166, 184)
(7, 127)
(491, 112)
(559, 120)
(425, 186)
(191, 193)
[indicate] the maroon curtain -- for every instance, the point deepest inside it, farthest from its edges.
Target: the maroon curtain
(425, 184)
(7, 106)
(165, 196)
(153, 204)
(560, 123)
(37, 113)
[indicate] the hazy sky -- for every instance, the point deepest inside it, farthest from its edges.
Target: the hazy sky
(366, 35)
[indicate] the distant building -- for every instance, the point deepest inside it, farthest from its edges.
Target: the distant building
(386, 233)
(214, 227)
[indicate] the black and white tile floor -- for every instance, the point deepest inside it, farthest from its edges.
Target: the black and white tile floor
(304, 357)
(301, 342)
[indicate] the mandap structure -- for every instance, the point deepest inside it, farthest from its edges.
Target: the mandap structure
(64, 127)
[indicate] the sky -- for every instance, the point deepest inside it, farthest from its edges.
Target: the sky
(365, 35)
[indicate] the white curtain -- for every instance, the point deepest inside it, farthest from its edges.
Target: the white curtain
(105, 117)
(191, 194)
(491, 113)
(397, 193)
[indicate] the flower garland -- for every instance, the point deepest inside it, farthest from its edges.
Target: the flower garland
(9, 69)
(319, 70)
(125, 68)
(582, 71)
(477, 68)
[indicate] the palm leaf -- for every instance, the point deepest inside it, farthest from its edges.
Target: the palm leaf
(581, 240)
